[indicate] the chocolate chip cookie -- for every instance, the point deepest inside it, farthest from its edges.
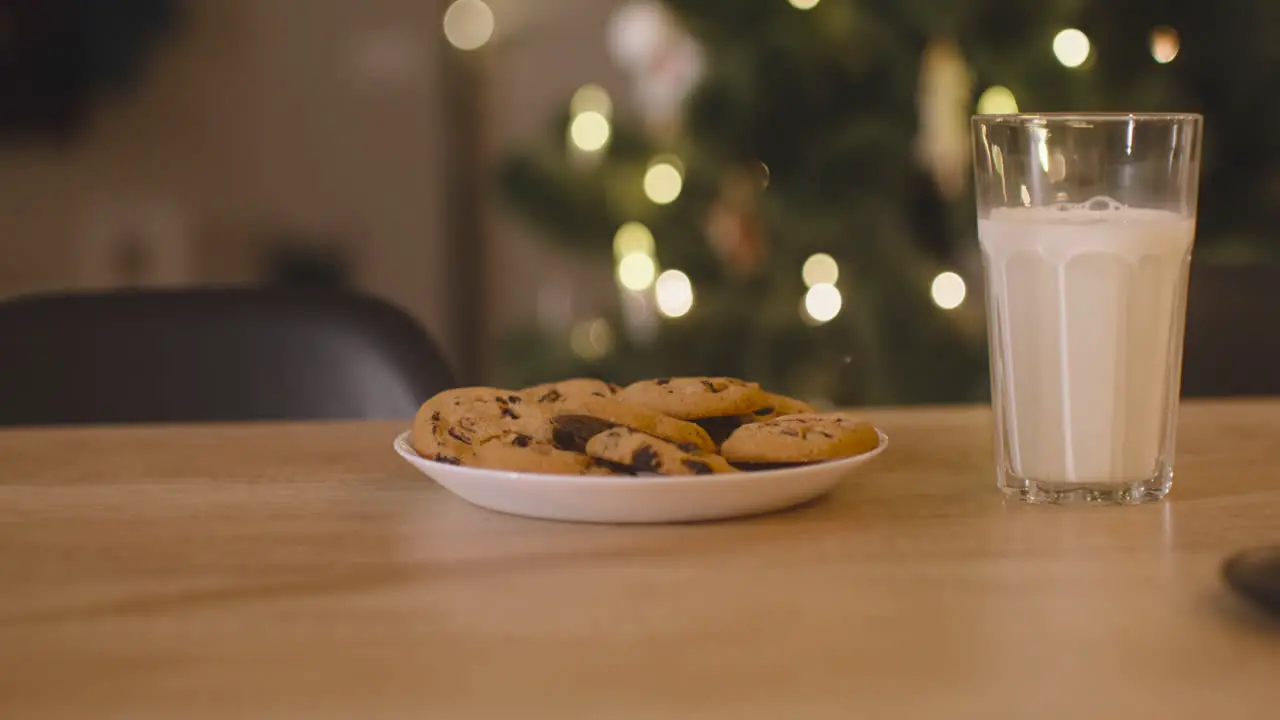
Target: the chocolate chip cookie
(577, 420)
(430, 426)
(720, 428)
(690, 398)
(453, 423)
(557, 392)
(647, 454)
(776, 406)
(801, 438)
(521, 453)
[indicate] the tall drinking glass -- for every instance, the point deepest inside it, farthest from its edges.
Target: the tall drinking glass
(1086, 223)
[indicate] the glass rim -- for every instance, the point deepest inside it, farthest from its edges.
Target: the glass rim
(1086, 117)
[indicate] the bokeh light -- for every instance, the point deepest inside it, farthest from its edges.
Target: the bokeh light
(947, 290)
(468, 24)
(823, 302)
(674, 293)
(1164, 44)
(997, 100)
(636, 271)
(636, 31)
(804, 4)
(591, 98)
(631, 239)
(820, 269)
(589, 131)
(663, 181)
(1071, 47)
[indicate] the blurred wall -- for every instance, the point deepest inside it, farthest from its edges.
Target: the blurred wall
(321, 117)
(257, 117)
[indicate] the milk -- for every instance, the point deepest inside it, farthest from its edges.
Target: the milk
(1087, 305)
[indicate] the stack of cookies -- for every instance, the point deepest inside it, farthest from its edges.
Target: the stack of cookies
(669, 426)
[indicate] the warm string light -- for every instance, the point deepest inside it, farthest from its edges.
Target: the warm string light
(591, 98)
(468, 24)
(823, 302)
(589, 111)
(633, 248)
(589, 131)
(636, 272)
(674, 293)
(664, 179)
(947, 290)
(820, 269)
(997, 100)
(804, 4)
(631, 239)
(1164, 44)
(1071, 47)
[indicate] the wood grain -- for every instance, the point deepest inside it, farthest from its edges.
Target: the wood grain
(305, 571)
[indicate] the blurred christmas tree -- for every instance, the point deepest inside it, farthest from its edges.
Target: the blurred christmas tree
(793, 205)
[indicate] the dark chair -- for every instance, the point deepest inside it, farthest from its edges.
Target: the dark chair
(211, 355)
(1233, 331)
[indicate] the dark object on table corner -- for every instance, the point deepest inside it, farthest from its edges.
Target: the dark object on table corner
(1255, 574)
(212, 354)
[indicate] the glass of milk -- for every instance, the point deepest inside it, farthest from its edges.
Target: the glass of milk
(1086, 223)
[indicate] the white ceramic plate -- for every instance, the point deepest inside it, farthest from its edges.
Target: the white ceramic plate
(637, 499)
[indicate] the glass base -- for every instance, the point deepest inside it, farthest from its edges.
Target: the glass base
(1086, 493)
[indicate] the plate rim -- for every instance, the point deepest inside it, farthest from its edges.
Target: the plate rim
(405, 450)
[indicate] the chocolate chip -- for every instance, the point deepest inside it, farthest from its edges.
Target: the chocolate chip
(720, 428)
(456, 434)
(435, 416)
(713, 387)
(521, 440)
(446, 459)
(509, 413)
(662, 381)
(515, 399)
(763, 411)
(697, 466)
(615, 468)
(567, 440)
(571, 432)
(688, 447)
(645, 459)
(551, 395)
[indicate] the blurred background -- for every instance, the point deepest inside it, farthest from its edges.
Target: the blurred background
(772, 189)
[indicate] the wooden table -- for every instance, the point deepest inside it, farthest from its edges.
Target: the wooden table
(304, 571)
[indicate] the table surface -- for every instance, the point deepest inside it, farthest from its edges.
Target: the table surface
(303, 570)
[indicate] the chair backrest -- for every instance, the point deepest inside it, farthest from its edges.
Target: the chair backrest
(1233, 331)
(218, 354)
